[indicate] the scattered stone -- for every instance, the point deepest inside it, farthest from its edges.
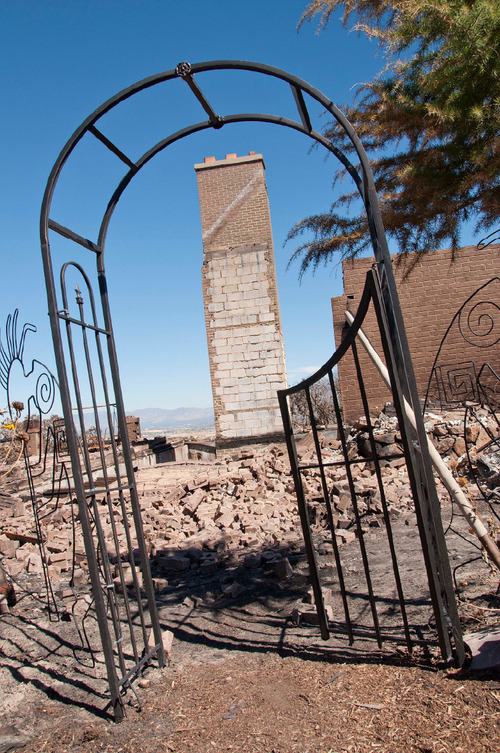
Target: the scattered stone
(326, 547)
(326, 592)
(233, 590)
(346, 537)
(242, 502)
(283, 568)
(445, 444)
(167, 638)
(8, 546)
(440, 430)
(310, 616)
(252, 561)
(176, 564)
(128, 581)
(208, 565)
(160, 584)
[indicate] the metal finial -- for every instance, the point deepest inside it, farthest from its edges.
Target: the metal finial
(183, 69)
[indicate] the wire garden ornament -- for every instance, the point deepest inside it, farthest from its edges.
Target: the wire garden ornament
(32, 446)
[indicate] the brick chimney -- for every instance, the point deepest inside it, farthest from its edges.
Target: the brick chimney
(245, 339)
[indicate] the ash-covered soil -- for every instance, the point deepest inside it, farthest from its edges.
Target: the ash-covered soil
(242, 675)
(246, 672)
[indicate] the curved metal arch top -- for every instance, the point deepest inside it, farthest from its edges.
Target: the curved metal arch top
(362, 177)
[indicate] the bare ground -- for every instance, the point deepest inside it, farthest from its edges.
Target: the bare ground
(243, 676)
(278, 704)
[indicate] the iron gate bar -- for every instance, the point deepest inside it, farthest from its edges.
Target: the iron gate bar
(400, 640)
(105, 474)
(67, 233)
(301, 107)
(100, 441)
(376, 462)
(304, 518)
(424, 484)
(84, 325)
(326, 498)
(419, 488)
(184, 71)
(296, 468)
(363, 180)
(134, 499)
(112, 147)
(93, 510)
(426, 500)
(359, 529)
(93, 490)
(340, 425)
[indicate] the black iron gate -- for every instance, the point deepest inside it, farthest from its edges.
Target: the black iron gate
(407, 624)
(89, 377)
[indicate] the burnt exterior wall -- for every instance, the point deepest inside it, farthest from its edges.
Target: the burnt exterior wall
(430, 297)
(244, 334)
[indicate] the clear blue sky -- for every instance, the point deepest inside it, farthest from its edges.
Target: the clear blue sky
(60, 60)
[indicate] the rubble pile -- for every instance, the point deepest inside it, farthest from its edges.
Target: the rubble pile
(247, 502)
(241, 503)
(452, 438)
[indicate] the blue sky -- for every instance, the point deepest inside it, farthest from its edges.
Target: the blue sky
(60, 60)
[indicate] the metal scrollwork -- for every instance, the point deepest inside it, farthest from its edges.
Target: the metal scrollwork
(476, 324)
(493, 237)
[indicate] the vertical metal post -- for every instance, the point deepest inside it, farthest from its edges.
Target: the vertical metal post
(426, 501)
(304, 517)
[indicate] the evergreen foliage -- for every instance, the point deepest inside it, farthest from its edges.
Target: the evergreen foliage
(429, 122)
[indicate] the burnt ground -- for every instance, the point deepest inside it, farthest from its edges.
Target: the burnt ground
(244, 676)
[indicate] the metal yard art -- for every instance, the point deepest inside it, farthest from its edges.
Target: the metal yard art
(30, 386)
(87, 363)
(475, 328)
(473, 385)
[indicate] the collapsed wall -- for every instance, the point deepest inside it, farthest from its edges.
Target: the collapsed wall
(245, 339)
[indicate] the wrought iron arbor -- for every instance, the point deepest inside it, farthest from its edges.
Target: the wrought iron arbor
(88, 368)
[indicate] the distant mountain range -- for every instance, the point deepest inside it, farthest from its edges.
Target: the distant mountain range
(162, 418)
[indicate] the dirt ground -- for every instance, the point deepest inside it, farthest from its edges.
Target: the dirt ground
(278, 704)
(244, 676)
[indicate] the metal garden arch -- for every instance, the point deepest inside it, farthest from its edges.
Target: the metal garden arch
(89, 340)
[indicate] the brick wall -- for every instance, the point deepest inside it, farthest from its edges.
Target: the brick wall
(430, 297)
(245, 340)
